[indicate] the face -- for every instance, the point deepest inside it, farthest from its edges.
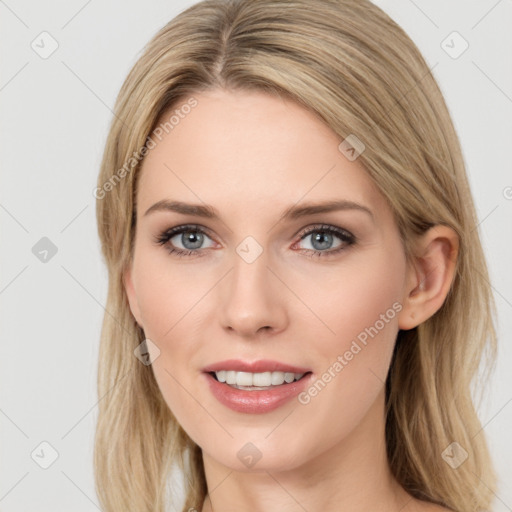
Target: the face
(319, 292)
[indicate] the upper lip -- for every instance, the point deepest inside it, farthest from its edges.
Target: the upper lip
(260, 366)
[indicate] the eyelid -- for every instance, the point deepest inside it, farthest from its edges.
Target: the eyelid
(177, 230)
(342, 232)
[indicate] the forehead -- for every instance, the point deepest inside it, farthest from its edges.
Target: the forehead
(249, 150)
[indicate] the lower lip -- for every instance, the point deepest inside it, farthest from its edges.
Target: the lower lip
(255, 402)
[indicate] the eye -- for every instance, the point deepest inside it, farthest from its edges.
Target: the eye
(190, 237)
(323, 237)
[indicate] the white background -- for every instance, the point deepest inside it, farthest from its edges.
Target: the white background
(54, 118)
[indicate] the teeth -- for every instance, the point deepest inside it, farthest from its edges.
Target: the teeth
(264, 379)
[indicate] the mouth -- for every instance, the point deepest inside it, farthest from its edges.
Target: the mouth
(256, 393)
(257, 386)
(261, 381)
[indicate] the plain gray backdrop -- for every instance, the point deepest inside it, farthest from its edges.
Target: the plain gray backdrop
(55, 112)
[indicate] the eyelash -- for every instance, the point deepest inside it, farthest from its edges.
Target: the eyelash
(346, 237)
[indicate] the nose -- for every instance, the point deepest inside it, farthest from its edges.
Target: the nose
(252, 298)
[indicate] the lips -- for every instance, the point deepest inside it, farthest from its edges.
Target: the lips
(256, 402)
(260, 366)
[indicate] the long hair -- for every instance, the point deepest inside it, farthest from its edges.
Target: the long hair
(354, 67)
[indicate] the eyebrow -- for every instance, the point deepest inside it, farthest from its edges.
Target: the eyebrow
(291, 213)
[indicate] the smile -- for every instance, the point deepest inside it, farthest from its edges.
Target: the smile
(256, 399)
(255, 381)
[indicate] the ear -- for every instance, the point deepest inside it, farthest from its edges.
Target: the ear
(131, 294)
(430, 277)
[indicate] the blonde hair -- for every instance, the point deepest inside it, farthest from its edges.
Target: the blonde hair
(349, 63)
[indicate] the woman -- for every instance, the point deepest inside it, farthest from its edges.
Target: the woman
(298, 297)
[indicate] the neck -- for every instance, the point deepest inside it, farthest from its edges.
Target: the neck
(353, 476)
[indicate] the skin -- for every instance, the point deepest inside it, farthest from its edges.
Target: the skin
(251, 155)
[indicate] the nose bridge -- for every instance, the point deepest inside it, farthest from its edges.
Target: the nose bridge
(251, 299)
(250, 274)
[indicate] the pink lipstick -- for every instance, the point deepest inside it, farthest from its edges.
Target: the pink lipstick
(255, 387)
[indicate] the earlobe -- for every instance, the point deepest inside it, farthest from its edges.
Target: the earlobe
(131, 295)
(430, 278)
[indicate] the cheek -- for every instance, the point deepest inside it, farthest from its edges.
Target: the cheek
(367, 299)
(361, 306)
(168, 293)
(171, 301)
(366, 291)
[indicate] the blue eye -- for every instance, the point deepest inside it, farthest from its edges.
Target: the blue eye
(193, 237)
(323, 236)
